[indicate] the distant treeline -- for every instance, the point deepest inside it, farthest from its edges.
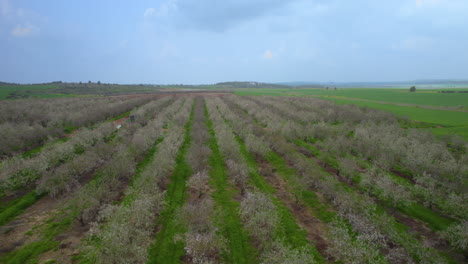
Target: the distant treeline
(5, 83)
(232, 85)
(453, 91)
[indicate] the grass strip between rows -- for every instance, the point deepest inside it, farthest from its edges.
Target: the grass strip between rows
(240, 249)
(140, 168)
(52, 228)
(289, 230)
(435, 221)
(165, 249)
(16, 207)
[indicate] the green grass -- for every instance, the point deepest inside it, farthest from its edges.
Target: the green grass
(240, 249)
(403, 236)
(428, 97)
(289, 231)
(121, 115)
(16, 207)
(165, 249)
(310, 199)
(433, 116)
(435, 221)
(30, 91)
(33, 152)
(30, 252)
(140, 167)
(440, 122)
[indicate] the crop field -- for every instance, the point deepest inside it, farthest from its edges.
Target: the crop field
(39, 91)
(441, 113)
(223, 178)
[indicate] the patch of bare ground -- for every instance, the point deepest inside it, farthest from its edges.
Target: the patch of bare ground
(69, 247)
(428, 237)
(120, 121)
(316, 230)
(70, 241)
(16, 233)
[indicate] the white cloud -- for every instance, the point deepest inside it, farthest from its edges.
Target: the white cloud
(23, 30)
(164, 10)
(20, 22)
(268, 54)
(149, 12)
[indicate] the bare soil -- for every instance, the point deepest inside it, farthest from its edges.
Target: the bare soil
(15, 234)
(120, 121)
(69, 247)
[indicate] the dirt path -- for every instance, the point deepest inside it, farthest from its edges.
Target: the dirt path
(120, 121)
(16, 233)
(69, 247)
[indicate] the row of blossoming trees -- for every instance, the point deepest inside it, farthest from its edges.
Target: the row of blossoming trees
(205, 179)
(25, 124)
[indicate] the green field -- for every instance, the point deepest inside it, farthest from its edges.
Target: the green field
(422, 106)
(36, 91)
(69, 90)
(399, 96)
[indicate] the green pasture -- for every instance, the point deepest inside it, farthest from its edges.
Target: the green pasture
(40, 91)
(428, 97)
(445, 122)
(442, 122)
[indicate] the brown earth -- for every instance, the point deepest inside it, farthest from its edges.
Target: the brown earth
(69, 247)
(15, 234)
(120, 121)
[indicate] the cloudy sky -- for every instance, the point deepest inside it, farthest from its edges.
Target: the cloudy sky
(207, 41)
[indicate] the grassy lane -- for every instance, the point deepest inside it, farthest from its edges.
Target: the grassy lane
(141, 166)
(446, 122)
(30, 252)
(434, 221)
(53, 227)
(289, 230)
(241, 251)
(165, 249)
(17, 206)
(395, 231)
(63, 220)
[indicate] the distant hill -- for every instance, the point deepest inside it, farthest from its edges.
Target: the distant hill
(421, 83)
(303, 84)
(5, 84)
(234, 85)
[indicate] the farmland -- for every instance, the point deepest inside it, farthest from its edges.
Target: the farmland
(222, 178)
(441, 113)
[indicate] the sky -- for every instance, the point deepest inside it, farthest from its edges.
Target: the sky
(209, 41)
